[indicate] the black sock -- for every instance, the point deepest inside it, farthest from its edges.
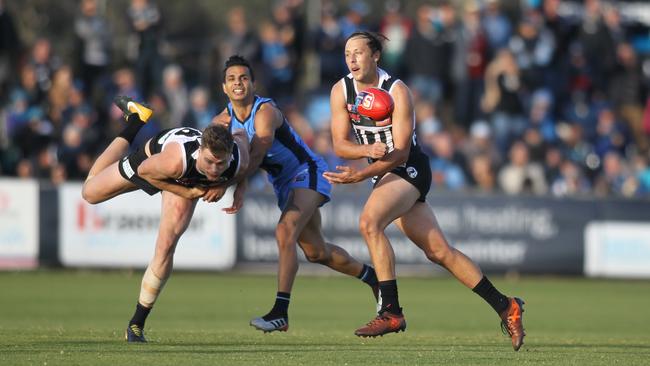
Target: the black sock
(133, 126)
(368, 275)
(389, 301)
(140, 315)
(280, 308)
(489, 293)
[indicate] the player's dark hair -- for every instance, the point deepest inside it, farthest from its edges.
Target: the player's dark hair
(217, 139)
(373, 39)
(237, 60)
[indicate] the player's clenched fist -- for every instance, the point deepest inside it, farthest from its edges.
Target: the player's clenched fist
(377, 150)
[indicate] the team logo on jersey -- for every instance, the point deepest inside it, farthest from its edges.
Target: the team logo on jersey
(412, 172)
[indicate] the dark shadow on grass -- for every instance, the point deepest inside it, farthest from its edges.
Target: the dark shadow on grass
(590, 345)
(350, 343)
(220, 351)
(221, 347)
(273, 346)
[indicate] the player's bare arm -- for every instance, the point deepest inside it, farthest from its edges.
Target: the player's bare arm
(237, 197)
(161, 169)
(267, 120)
(241, 139)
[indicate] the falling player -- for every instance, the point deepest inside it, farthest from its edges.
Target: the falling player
(185, 164)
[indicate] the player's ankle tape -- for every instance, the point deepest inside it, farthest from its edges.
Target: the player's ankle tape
(150, 288)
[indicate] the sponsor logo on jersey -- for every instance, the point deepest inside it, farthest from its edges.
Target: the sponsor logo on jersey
(353, 114)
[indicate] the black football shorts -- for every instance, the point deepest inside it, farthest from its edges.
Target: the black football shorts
(128, 167)
(416, 171)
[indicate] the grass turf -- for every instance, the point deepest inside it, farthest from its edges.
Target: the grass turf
(78, 318)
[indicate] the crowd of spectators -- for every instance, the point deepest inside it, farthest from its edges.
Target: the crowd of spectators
(532, 102)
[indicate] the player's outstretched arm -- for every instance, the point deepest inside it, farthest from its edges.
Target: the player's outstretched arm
(161, 169)
(241, 139)
(267, 120)
(237, 198)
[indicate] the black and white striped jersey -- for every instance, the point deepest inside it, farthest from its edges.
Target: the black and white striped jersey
(367, 131)
(190, 141)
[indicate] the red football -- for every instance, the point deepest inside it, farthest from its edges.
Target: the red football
(375, 103)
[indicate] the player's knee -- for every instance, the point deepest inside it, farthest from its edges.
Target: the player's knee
(438, 255)
(369, 227)
(285, 234)
(319, 256)
(89, 195)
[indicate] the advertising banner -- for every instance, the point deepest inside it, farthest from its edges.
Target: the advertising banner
(543, 235)
(617, 249)
(122, 232)
(18, 224)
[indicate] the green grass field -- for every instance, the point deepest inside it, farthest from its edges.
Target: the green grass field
(78, 318)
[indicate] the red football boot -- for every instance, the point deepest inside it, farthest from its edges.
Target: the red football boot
(384, 323)
(511, 322)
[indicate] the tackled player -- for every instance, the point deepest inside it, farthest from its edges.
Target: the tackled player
(185, 164)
